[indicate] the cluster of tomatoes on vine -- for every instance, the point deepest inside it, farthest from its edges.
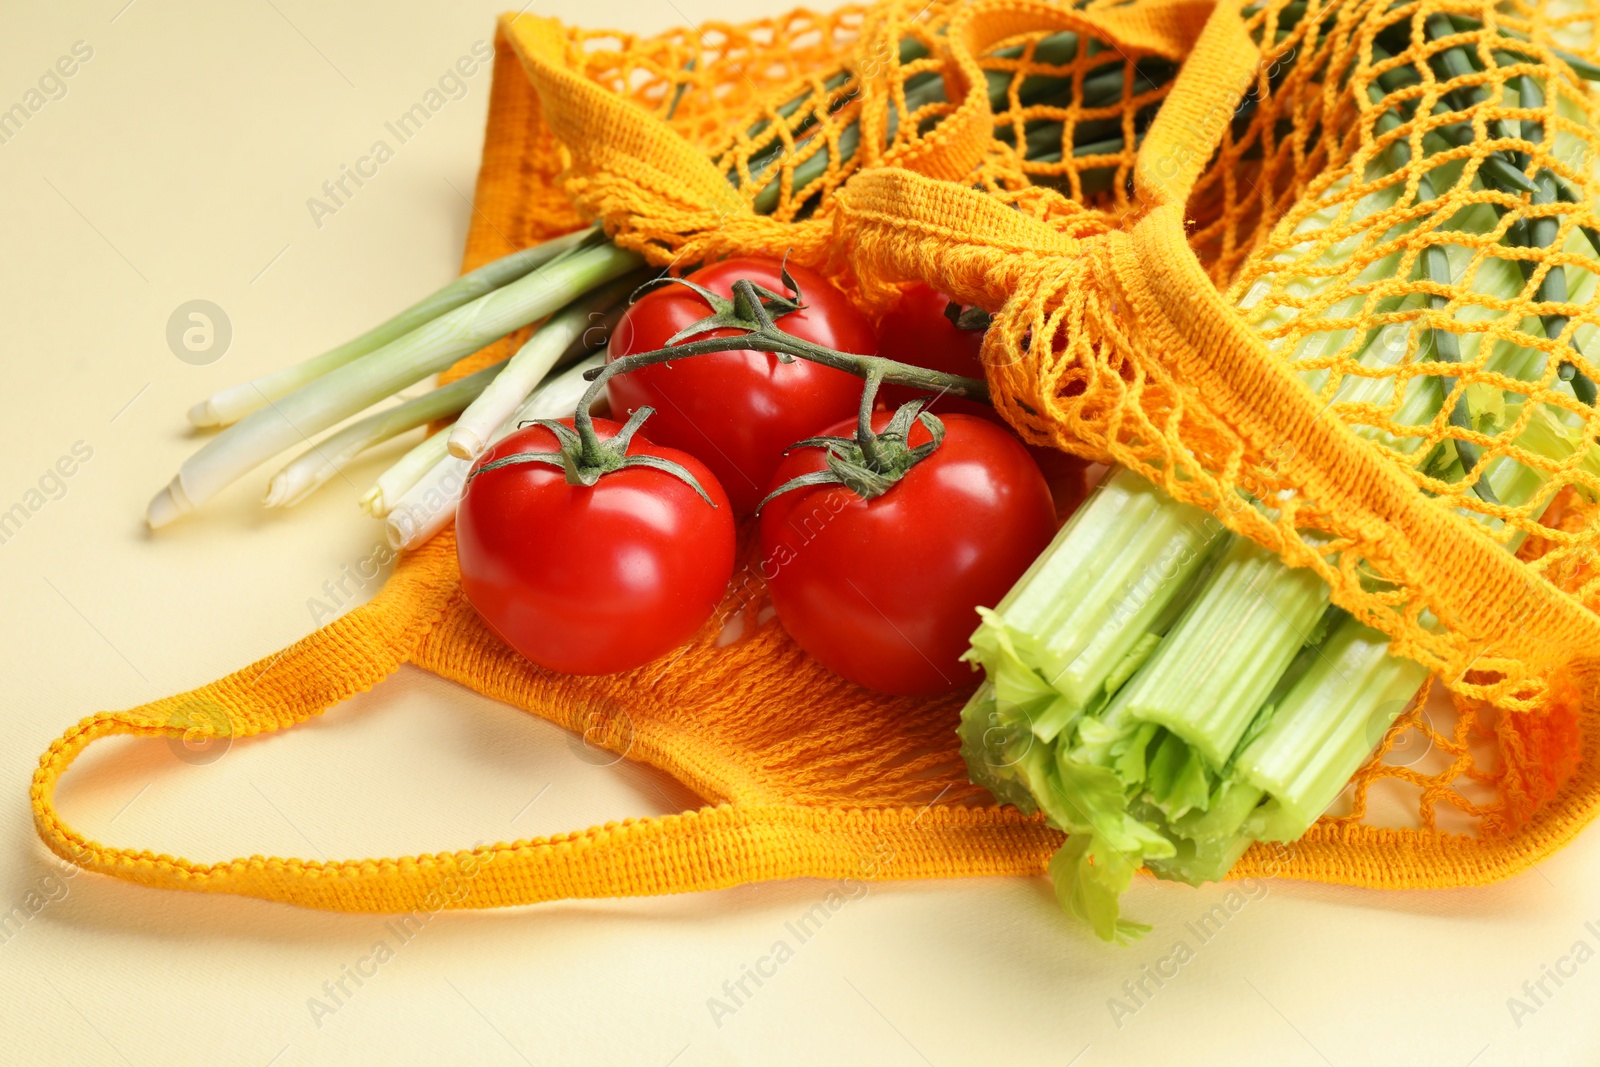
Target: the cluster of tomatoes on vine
(752, 388)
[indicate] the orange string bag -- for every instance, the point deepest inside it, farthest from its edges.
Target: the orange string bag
(1135, 354)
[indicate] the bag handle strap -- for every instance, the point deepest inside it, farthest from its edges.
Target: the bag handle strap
(347, 656)
(714, 847)
(956, 147)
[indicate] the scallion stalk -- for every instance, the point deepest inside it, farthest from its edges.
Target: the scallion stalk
(368, 379)
(429, 505)
(561, 336)
(328, 457)
(392, 484)
(234, 403)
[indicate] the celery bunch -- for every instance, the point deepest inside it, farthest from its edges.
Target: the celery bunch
(1167, 692)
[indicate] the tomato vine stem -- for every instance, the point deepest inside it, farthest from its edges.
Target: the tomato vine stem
(750, 312)
(869, 463)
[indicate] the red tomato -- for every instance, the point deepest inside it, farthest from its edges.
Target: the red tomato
(917, 331)
(738, 411)
(883, 591)
(592, 579)
(1066, 474)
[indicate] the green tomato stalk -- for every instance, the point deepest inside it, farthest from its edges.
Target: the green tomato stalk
(871, 463)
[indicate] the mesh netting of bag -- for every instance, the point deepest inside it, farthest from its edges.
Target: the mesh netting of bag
(1312, 229)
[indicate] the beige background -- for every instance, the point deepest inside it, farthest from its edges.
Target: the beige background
(176, 167)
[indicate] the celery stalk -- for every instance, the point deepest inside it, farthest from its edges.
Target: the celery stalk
(1207, 680)
(1243, 630)
(1339, 708)
(1325, 728)
(1074, 628)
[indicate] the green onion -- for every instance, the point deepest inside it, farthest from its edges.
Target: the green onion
(392, 484)
(368, 379)
(429, 504)
(232, 404)
(543, 352)
(328, 457)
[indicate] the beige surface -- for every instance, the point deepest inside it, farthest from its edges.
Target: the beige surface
(177, 166)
